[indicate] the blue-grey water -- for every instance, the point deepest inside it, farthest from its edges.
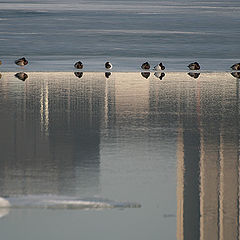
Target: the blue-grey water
(121, 155)
(54, 34)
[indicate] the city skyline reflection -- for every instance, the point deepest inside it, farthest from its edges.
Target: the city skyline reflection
(63, 136)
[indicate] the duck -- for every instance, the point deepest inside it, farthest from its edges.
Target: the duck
(235, 66)
(21, 61)
(21, 76)
(145, 66)
(108, 65)
(0, 62)
(78, 65)
(194, 66)
(159, 67)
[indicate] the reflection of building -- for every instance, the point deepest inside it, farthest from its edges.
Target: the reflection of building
(51, 128)
(188, 191)
(52, 125)
(208, 173)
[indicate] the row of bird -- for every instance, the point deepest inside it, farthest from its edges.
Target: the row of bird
(145, 66)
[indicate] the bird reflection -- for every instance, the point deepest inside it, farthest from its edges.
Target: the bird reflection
(108, 74)
(21, 76)
(78, 74)
(159, 75)
(193, 74)
(145, 74)
(236, 74)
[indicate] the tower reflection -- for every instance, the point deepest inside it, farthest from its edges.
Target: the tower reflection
(208, 160)
(51, 129)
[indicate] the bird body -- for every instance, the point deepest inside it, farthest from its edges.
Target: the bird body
(21, 62)
(145, 66)
(236, 66)
(78, 65)
(108, 65)
(159, 67)
(194, 66)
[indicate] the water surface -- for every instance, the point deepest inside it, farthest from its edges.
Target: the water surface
(170, 145)
(54, 34)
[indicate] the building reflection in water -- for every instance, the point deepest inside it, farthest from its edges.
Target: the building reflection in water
(51, 129)
(52, 126)
(208, 160)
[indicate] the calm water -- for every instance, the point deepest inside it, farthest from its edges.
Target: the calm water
(53, 34)
(170, 147)
(123, 156)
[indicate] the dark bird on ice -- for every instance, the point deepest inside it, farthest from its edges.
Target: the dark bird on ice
(235, 66)
(194, 66)
(108, 65)
(145, 66)
(159, 67)
(21, 62)
(78, 65)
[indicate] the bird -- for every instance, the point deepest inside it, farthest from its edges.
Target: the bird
(194, 66)
(0, 75)
(236, 66)
(107, 74)
(159, 67)
(145, 66)
(0, 62)
(194, 74)
(21, 62)
(78, 74)
(108, 65)
(145, 74)
(21, 76)
(78, 65)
